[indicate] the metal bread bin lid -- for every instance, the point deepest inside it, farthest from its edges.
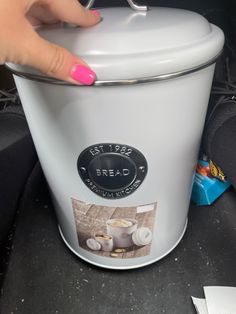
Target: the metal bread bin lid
(131, 45)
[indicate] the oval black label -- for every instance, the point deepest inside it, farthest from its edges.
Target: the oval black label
(112, 170)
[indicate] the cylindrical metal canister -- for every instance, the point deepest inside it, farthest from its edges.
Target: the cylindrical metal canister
(119, 156)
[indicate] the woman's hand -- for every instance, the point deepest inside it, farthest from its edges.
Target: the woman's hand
(19, 43)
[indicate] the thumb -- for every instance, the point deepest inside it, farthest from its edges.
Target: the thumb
(56, 61)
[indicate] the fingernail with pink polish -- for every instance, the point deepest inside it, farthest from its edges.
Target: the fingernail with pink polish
(96, 12)
(83, 74)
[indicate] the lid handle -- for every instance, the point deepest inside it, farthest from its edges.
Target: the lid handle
(132, 4)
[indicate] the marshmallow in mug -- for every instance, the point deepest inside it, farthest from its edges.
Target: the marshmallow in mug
(121, 223)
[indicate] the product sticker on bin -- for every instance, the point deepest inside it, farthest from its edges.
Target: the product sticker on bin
(115, 232)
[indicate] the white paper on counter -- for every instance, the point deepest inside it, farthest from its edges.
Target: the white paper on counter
(200, 305)
(220, 300)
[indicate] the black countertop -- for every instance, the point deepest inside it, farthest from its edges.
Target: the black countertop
(43, 276)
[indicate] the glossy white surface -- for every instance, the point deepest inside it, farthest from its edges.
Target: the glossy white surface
(163, 120)
(129, 44)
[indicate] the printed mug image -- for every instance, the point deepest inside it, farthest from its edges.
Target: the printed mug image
(121, 230)
(106, 241)
(115, 232)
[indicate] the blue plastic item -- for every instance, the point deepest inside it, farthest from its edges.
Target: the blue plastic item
(206, 188)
